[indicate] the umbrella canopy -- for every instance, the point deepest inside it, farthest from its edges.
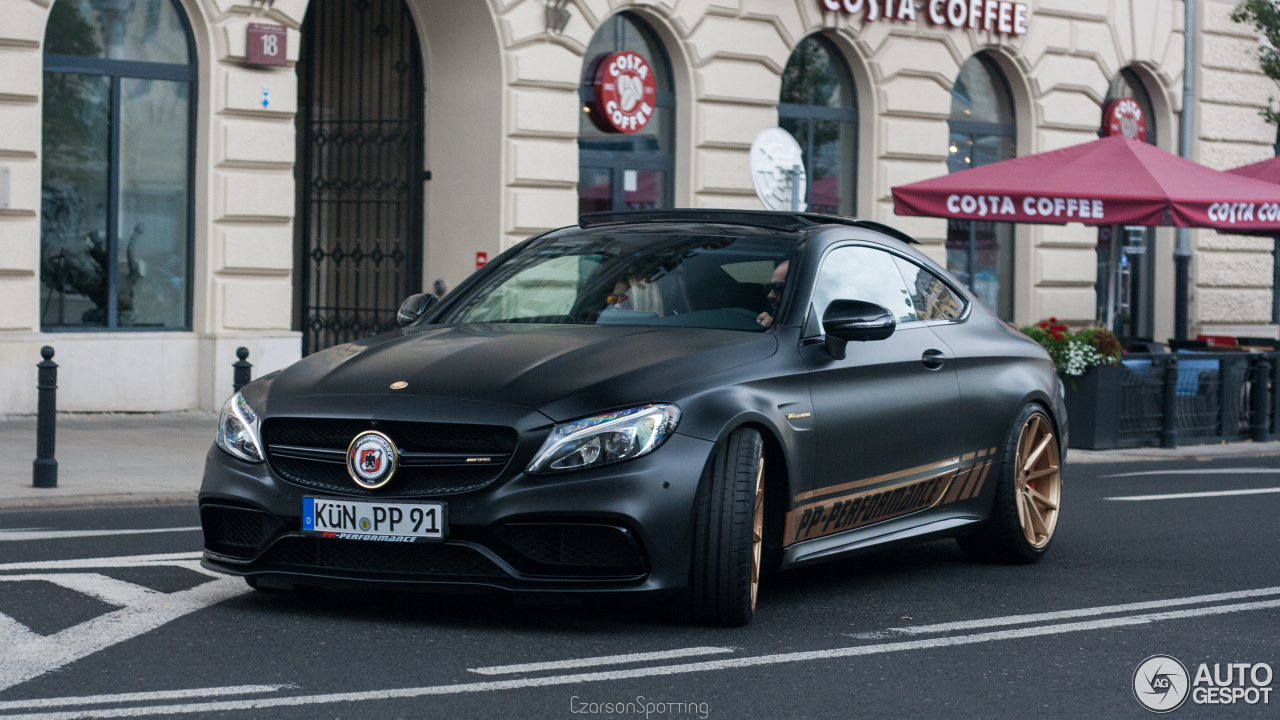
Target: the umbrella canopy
(1266, 171)
(1111, 181)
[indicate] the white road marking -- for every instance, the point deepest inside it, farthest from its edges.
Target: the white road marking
(603, 660)
(141, 696)
(181, 559)
(15, 534)
(661, 670)
(1215, 493)
(1064, 614)
(1200, 471)
(25, 655)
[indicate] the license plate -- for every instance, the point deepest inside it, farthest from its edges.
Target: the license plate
(387, 522)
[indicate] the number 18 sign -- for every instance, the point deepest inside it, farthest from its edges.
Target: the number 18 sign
(266, 44)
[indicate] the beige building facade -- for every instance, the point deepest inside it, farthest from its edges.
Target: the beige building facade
(501, 122)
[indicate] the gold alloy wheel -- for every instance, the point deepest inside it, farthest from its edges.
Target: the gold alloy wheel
(757, 531)
(1039, 480)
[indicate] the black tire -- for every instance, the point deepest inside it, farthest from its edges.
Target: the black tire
(725, 560)
(1002, 539)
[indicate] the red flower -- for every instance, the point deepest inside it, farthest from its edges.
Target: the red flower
(1053, 319)
(1058, 336)
(1045, 325)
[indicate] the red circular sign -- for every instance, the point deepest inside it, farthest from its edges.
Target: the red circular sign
(626, 94)
(1124, 117)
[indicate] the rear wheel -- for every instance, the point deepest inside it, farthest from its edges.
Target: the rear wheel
(729, 533)
(1028, 494)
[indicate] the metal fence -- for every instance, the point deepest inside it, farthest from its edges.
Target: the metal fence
(1191, 398)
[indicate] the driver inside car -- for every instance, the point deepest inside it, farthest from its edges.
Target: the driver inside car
(777, 283)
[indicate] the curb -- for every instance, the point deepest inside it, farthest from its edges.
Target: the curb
(1224, 451)
(73, 502)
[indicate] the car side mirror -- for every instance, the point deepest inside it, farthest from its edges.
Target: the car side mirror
(414, 307)
(848, 321)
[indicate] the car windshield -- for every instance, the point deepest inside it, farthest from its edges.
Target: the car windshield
(635, 278)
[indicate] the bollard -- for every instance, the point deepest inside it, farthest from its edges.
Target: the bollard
(242, 374)
(44, 471)
(1262, 399)
(1169, 431)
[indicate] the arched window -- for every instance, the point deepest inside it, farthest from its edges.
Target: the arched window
(819, 108)
(116, 222)
(625, 169)
(1125, 286)
(983, 130)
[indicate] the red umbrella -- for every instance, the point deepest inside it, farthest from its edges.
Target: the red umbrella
(1266, 171)
(1111, 181)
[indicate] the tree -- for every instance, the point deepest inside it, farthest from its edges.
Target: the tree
(1264, 16)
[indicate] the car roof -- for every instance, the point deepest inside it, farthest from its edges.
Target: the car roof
(784, 221)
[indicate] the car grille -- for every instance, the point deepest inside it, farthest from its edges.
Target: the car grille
(434, 457)
(236, 531)
(298, 552)
(571, 549)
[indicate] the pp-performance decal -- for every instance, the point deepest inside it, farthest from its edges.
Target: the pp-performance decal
(894, 495)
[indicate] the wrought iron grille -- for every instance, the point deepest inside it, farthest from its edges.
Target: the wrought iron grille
(360, 135)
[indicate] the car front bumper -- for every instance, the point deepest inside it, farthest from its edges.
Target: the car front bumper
(621, 528)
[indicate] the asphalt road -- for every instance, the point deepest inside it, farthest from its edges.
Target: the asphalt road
(124, 625)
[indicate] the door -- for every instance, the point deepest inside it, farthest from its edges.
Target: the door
(359, 171)
(885, 416)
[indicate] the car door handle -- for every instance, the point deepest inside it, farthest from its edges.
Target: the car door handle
(933, 359)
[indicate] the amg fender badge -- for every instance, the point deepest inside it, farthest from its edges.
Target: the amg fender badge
(371, 459)
(798, 416)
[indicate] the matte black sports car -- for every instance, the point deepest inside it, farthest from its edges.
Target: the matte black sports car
(651, 401)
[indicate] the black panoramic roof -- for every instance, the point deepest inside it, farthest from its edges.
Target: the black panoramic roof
(776, 220)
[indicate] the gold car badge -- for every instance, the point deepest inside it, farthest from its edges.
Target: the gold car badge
(371, 459)
(399, 385)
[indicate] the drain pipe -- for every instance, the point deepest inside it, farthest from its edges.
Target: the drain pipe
(1182, 249)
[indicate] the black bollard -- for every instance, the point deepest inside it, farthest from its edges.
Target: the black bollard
(44, 471)
(1169, 431)
(1262, 399)
(243, 373)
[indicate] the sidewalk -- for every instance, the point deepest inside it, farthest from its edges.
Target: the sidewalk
(133, 459)
(109, 459)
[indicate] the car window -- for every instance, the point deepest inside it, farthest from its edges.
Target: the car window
(932, 298)
(863, 273)
(625, 277)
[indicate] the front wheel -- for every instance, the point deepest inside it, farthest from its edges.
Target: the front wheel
(729, 533)
(1028, 494)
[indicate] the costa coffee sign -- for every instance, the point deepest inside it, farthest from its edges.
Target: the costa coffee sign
(626, 93)
(997, 16)
(1124, 117)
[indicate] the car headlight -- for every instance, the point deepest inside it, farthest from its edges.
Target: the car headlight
(238, 430)
(606, 439)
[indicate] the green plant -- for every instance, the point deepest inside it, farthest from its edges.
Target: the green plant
(1074, 352)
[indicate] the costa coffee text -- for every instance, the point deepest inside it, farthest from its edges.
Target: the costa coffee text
(1060, 208)
(998, 16)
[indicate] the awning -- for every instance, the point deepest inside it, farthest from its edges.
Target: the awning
(1266, 171)
(1111, 181)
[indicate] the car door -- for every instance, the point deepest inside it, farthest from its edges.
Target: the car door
(885, 416)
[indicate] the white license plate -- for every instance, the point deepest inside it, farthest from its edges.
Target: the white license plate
(389, 522)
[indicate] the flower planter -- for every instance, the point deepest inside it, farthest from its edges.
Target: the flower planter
(1093, 408)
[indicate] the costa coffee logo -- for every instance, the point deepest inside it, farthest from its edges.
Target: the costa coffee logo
(1124, 117)
(626, 92)
(998, 16)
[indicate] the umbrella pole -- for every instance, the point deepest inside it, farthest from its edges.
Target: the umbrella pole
(973, 240)
(1113, 272)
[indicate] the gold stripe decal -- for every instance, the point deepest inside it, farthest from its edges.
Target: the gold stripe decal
(875, 480)
(865, 507)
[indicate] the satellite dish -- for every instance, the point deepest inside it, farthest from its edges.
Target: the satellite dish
(777, 170)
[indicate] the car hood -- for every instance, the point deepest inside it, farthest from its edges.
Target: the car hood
(564, 371)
